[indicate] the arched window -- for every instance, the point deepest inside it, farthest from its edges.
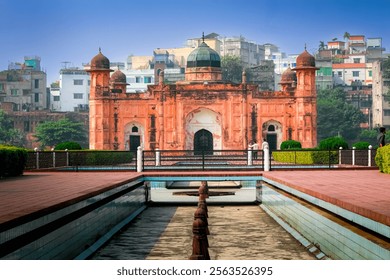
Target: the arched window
(271, 128)
(134, 129)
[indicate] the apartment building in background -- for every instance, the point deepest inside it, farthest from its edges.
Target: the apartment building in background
(23, 86)
(349, 64)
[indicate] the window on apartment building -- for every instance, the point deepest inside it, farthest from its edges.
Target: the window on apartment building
(26, 126)
(138, 80)
(356, 60)
(78, 82)
(36, 97)
(56, 98)
(89, 82)
(369, 73)
(147, 80)
(355, 73)
(36, 83)
(1, 87)
(14, 92)
(77, 96)
(386, 113)
(340, 73)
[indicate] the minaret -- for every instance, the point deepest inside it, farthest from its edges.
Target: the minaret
(306, 98)
(99, 102)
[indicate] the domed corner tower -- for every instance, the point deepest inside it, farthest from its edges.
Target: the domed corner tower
(288, 81)
(203, 65)
(306, 101)
(118, 82)
(99, 108)
(306, 74)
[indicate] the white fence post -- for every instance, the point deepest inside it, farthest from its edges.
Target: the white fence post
(250, 156)
(158, 157)
(265, 148)
(369, 155)
(353, 155)
(67, 157)
(340, 150)
(36, 157)
(139, 159)
(54, 157)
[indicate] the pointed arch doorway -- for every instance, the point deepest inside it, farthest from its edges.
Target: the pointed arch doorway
(203, 142)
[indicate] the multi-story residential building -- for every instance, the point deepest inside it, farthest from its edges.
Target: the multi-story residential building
(74, 90)
(350, 65)
(380, 96)
(24, 85)
(55, 97)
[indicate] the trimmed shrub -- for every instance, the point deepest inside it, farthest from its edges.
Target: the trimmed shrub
(290, 145)
(306, 157)
(95, 158)
(382, 159)
(361, 145)
(12, 161)
(333, 143)
(67, 145)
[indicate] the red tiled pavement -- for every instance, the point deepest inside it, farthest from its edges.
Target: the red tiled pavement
(366, 192)
(38, 191)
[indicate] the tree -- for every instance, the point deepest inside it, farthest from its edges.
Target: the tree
(335, 117)
(231, 68)
(321, 46)
(54, 132)
(346, 35)
(8, 134)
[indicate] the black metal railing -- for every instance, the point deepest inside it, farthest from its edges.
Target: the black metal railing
(201, 160)
(198, 160)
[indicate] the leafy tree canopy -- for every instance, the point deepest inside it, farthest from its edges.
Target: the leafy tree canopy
(53, 132)
(8, 134)
(336, 116)
(231, 68)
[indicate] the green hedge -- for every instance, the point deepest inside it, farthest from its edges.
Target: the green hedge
(93, 158)
(333, 143)
(12, 161)
(382, 159)
(290, 145)
(306, 157)
(361, 145)
(67, 146)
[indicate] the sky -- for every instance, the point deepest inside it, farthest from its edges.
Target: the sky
(73, 30)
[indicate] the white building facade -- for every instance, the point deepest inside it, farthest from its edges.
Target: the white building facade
(74, 90)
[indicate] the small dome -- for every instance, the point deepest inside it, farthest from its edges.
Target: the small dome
(100, 62)
(203, 56)
(306, 60)
(289, 76)
(118, 77)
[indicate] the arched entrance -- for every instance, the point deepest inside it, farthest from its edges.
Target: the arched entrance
(133, 136)
(272, 138)
(272, 133)
(208, 121)
(203, 142)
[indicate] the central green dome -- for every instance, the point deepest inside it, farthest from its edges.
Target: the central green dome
(203, 56)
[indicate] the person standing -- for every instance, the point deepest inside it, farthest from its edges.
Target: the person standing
(255, 148)
(382, 136)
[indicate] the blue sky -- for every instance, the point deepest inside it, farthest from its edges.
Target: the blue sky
(73, 30)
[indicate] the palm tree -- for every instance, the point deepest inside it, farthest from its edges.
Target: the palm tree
(321, 46)
(346, 35)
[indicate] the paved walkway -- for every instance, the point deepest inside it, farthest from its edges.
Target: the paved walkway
(236, 233)
(366, 192)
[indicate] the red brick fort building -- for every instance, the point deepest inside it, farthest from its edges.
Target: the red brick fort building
(203, 112)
